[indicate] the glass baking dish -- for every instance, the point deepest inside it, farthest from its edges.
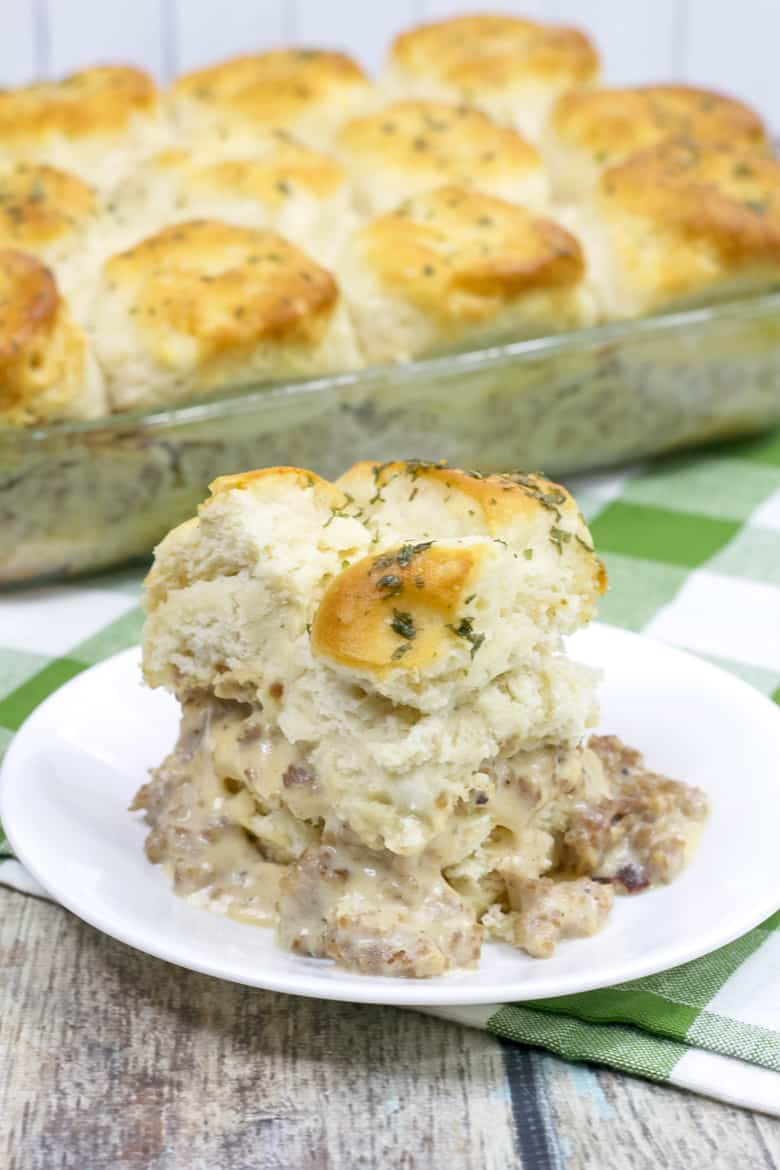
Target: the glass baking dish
(82, 496)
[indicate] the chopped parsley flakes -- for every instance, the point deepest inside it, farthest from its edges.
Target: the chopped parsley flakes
(559, 537)
(404, 557)
(403, 625)
(465, 629)
(390, 585)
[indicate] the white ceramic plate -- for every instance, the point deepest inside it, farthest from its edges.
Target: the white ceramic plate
(75, 765)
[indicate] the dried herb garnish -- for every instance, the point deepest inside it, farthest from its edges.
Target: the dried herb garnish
(403, 625)
(465, 629)
(404, 648)
(584, 543)
(404, 557)
(409, 551)
(413, 467)
(390, 585)
(528, 553)
(551, 500)
(342, 513)
(558, 537)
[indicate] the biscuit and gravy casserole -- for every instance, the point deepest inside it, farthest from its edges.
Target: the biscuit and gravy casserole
(384, 746)
(282, 215)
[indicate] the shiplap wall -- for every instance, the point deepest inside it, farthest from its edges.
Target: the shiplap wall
(729, 44)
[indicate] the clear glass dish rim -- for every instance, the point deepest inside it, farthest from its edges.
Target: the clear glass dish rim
(250, 399)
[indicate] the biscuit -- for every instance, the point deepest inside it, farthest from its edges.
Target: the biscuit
(204, 306)
(273, 183)
(97, 123)
(413, 146)
(55, 216)
(452, 268)
(47, 372)
(593, 130)
(342, 557)
(308, 92)
(513, 69)
(682, 224)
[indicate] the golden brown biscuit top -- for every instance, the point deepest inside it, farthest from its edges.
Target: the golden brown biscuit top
(434, 138)
(40, 204)
(500, 497)
(30, 312)
(223, 286)
(273, 88)
(725, 196)
(486, 52)
(611, 123)
(461, 255)
(501, 505)
(94, 101)
(28, 302)
(396, 605)
(268, 477)
(270, 178)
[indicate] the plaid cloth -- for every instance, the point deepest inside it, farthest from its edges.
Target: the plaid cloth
(692, 545)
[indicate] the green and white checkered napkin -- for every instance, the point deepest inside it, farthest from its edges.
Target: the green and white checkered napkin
(693, 551)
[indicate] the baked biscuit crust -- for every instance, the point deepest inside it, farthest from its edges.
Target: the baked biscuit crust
(484, 52)
(504, 507)
(223, 286)
(691, 219)
(395, 609)
(40, 205)
(45, 369)
(460, 256)
(272, 476)
(610, 124)
(262, 182)
(501, 498)
(204, 304)
(413, 145)
(451, 268)
(94, 101)
(281, 88)
(96, 123)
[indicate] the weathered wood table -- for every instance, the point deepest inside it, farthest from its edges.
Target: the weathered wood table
(110, 1060)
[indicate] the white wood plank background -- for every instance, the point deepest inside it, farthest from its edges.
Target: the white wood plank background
(718, 42)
